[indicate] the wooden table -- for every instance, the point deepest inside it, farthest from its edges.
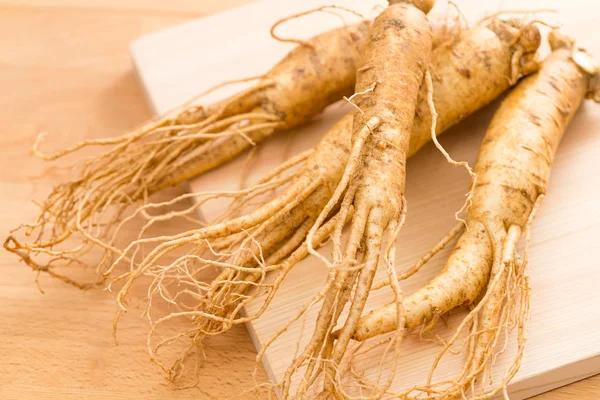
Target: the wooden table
(65, 69)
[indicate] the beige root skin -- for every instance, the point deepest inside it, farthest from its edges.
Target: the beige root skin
(220, 304)
(395, 60)
(294, 94)
(273, 236)
(379, 196)
(466, 77)
(321, 174)
(188, 142)
(182, 144)
(217, 311)
(312, 188)
(218, 307)
(274, 232)
(512, 171)
(446, 291)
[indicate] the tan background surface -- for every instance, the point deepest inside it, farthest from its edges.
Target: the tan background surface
(65, 69)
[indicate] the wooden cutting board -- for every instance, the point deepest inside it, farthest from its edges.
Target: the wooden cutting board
(564, 334)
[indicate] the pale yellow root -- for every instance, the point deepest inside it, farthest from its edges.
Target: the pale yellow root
(333, 295)
(261, 239)
(186, 142)
(512, 173)
(306, 196)
(381, 133)
(242, 281)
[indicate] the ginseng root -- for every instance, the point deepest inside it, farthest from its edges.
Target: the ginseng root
(271, 238)
(485, 61)
(397, 56)
(184, 144)
(512, 172)
(261, 238)
(275, 229)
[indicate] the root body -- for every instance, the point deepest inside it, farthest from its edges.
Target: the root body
(184, 143)
(396, 57)
(512, 172)
(468, 73)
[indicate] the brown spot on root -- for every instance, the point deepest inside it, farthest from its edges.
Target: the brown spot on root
(487, 140)
(395, 23)
(465, 72)
(548, 142)
(564, 110)
(523, 192)
(553, 84)
(486, 57)
(534, 119)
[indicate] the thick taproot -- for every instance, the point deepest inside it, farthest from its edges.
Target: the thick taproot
(395, 59)
(512, 170)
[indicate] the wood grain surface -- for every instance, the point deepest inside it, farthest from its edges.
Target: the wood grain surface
(65, 69)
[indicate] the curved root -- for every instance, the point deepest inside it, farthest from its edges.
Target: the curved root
(84, 212)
